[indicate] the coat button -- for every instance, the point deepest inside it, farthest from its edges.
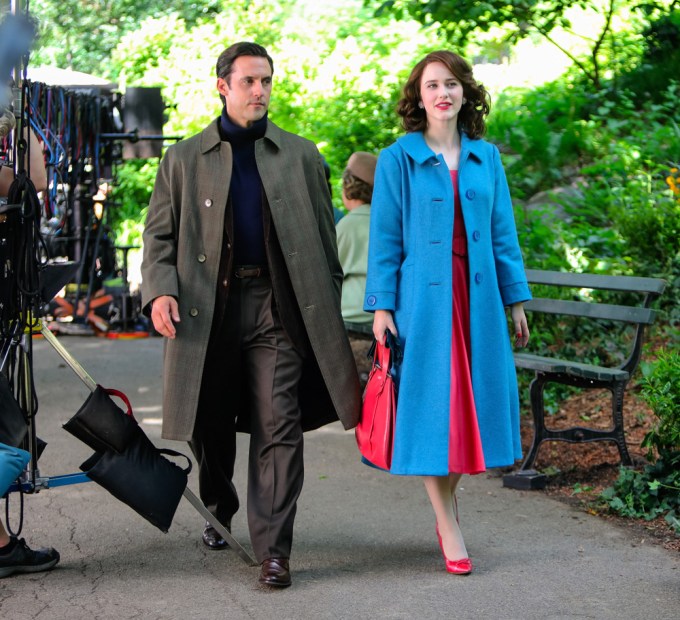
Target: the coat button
(476, 235)
(228, 246)
(225, 282)
(193, 312)
(478, 278)
(370, 300)
(208, 202)
(201, 258)
(470, 194)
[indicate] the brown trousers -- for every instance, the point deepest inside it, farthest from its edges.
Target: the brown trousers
(252, 369)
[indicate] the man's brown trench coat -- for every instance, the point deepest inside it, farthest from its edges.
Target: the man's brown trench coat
(183, 241)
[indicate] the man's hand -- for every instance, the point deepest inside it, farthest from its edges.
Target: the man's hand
(382, 320)
(164, 314)
(519, 320)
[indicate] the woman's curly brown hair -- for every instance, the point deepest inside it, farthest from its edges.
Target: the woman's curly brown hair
(471, 115)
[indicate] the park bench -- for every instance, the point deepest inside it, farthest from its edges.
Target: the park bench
(636, 314)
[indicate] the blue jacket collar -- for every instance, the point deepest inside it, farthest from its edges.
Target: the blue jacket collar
(417, 149)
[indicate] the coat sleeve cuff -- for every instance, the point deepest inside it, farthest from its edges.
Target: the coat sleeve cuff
(379, 301)
(515, 293)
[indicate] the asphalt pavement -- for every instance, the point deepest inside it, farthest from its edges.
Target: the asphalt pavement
(365, 545)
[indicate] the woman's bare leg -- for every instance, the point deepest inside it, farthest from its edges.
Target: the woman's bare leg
(441, 497)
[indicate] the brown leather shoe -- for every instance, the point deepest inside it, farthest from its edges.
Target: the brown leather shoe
(275, 572)
(213, 539)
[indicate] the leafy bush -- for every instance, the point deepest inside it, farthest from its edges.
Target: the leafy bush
(634, 185)
(661, 391)
(655, 490)
(648, 494)
(543, 129)
(662, 50)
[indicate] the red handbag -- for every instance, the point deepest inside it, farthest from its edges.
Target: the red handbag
(375, 431)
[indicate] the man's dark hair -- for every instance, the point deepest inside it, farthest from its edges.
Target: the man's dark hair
(226, 60)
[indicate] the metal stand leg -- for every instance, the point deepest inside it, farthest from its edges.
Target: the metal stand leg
(223, 531)
(68, 358)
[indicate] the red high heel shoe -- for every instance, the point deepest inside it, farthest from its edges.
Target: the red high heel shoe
(455, 567)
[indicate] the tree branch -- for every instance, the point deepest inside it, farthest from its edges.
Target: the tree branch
(593, 77)
(600, 41)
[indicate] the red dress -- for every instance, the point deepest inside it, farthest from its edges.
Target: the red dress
(465, 444)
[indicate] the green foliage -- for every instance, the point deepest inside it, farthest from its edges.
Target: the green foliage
(472, 16)
(600, 174)
(579, 488)
(633, 184)
(661, 390)
(648, 494)
(459, 20)
(650, 76)
(141, 53)
(337, 73)
(655, 490)
(130, 198)
(544, 127)
(80, 34)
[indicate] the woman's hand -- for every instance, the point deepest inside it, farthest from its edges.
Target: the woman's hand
(382, 320)
(519, 320)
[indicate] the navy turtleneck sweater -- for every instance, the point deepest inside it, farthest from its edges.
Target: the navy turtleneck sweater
(245, 190)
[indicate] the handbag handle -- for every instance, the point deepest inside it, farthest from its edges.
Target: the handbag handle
(383, 357)
(388, 353)
(170, 452)
(122, 396)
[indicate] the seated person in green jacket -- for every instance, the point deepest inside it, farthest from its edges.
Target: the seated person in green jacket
(352, 232)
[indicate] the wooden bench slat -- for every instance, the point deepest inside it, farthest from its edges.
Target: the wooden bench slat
(628, 314)
(633, 284)
(541, 363)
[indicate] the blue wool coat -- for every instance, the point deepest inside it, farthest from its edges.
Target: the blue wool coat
(410, 273)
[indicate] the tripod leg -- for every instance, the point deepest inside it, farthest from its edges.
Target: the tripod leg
(224, 532)
(68, 358)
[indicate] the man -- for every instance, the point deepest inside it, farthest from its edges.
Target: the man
(352, 230)
(242, 276)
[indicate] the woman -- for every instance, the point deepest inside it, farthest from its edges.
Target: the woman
(443, 264)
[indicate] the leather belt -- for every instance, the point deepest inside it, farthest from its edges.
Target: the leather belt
(250, 271)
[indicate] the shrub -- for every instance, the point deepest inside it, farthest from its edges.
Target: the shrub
(655, 490)
(661, 391)
(662, 50)
(543, 129)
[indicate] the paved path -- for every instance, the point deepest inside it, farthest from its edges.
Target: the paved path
(365, 545)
